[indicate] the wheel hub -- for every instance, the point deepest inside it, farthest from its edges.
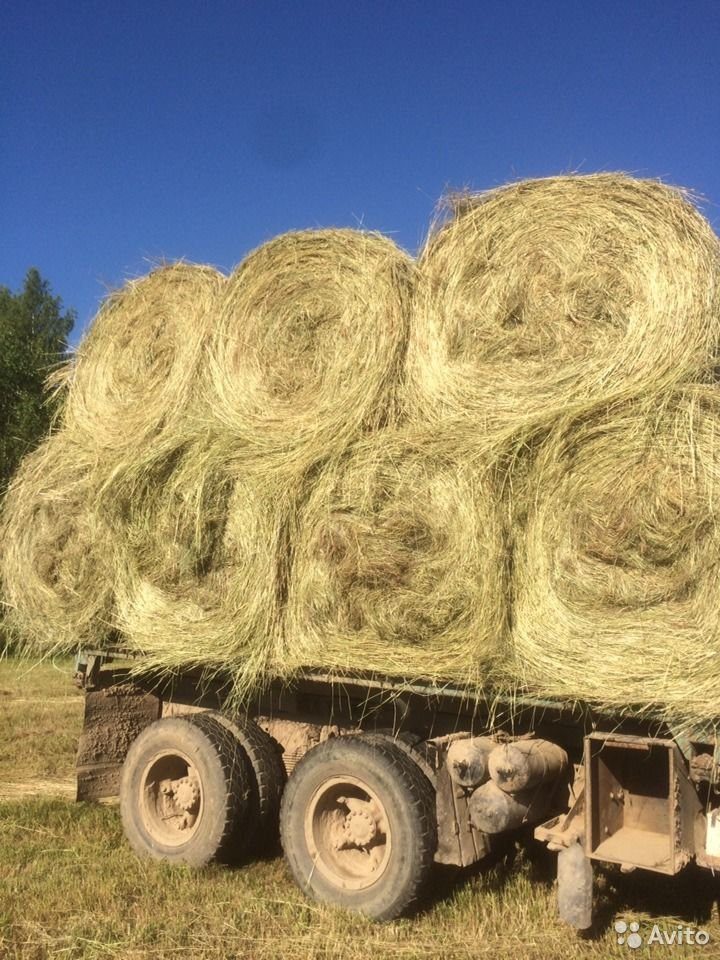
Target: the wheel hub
(180, 802)
(172, 803)
(187, 794)
(348, 835)
(360, 826)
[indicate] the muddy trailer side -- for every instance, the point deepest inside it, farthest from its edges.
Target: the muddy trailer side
(370, 780)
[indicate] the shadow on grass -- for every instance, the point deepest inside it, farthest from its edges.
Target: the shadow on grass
(510, 854)
(692, 897)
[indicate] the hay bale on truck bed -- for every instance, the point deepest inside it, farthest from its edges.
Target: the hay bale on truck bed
(57, 556)
(398, 564)
(197, 577)
(197, 403)
(495, 467)
(617, 559)
(136, 373)
(308, 348)
(303, 357)
(552, 297)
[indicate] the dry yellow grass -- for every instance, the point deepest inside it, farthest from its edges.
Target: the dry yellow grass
(57, 556)
(398, 563)
(133, 909)
(308, 347)
(551, 297)
(617, 556)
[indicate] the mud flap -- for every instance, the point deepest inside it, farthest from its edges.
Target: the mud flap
(114, 716)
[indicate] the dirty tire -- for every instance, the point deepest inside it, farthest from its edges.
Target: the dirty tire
(178, 750)
(267, 779)
(410, 745)
(315, 796)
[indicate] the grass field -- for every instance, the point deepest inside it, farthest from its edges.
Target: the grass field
(70, 887)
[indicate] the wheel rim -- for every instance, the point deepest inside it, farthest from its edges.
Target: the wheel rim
(171, 798)
(347, 833)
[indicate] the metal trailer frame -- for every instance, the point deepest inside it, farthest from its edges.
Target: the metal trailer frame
(636, 792)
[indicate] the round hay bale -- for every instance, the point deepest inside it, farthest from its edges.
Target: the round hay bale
(197, 570)
(309, 346)
(616, 559)
(137, 369)
(56, 563)
(398, 565)
(556, 296)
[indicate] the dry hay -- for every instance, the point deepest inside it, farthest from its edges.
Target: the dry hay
(138, 369)
(398, 565)
(56, 562)
(230, 489)
(197, 569)
(313, 328)
(308, 347)
(617, 560)
(551, 297)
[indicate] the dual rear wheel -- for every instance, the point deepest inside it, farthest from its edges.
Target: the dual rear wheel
(200, 789)
(357, 818)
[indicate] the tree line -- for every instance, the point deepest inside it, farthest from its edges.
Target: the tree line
(34, 331)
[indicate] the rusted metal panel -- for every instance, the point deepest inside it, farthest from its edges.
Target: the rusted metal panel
(450, 846)
(114, 716)
(575, 886)
(459, 842)
(567, 828)
(295, 739)
(641, 804)
(705, 833)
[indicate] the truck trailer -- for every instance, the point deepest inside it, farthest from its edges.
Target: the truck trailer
(368, 780)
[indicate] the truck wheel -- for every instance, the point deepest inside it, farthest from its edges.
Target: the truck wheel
(358, 827)
(267, 779)
(184, 793)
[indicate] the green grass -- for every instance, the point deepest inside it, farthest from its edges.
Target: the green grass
(37, 680)
(71, 888)
(40, 718)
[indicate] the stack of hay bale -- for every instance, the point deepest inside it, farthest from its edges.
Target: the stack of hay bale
(574, 323)
(497, 464)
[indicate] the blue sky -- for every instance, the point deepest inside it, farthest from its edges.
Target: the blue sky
(140, 131)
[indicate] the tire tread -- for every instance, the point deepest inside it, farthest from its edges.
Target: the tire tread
(229, 834)
(419, 800)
